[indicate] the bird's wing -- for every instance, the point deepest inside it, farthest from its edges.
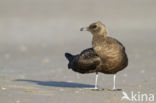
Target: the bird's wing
(87, 60)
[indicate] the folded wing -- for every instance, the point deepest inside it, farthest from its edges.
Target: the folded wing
(86, 62)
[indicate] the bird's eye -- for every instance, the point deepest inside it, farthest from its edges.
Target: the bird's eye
(94, 26)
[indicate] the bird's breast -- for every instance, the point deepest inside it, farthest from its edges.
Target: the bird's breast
(109, 54)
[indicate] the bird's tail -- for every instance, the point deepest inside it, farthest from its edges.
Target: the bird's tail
(69, 56)
(70, 59)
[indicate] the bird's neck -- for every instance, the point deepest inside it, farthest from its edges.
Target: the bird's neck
(98, 39)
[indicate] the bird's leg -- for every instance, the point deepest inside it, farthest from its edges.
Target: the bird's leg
(114, 84)
(114, 77)
(96, 80)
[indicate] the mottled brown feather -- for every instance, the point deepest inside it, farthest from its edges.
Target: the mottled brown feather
(107, 55)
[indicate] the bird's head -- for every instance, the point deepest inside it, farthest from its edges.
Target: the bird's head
(97, 28)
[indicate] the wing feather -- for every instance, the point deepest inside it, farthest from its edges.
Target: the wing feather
(87, 61)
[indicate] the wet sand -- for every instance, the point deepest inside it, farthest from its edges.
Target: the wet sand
(35, 35)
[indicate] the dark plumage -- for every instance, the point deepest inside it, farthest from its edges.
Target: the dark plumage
(106, 56)
(85, 62)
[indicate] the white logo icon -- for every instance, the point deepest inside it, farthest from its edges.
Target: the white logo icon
(125, 96)
(138, 97)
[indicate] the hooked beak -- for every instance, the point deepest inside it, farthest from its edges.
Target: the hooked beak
(84, 29)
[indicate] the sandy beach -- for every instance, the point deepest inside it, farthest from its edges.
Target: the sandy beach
(35, 34)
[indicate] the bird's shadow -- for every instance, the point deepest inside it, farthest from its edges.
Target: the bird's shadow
(57, 83)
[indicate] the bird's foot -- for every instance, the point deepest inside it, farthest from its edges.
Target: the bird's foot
(96, 89)
(115, 89)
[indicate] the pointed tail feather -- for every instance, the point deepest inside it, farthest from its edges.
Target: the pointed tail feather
(69, 56)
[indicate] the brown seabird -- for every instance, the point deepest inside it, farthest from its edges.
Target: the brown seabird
(107, 54)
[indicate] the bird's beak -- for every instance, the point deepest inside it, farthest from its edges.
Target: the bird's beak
(84, 29)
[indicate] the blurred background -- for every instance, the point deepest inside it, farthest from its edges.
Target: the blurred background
(35, 34)
(56, 23)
